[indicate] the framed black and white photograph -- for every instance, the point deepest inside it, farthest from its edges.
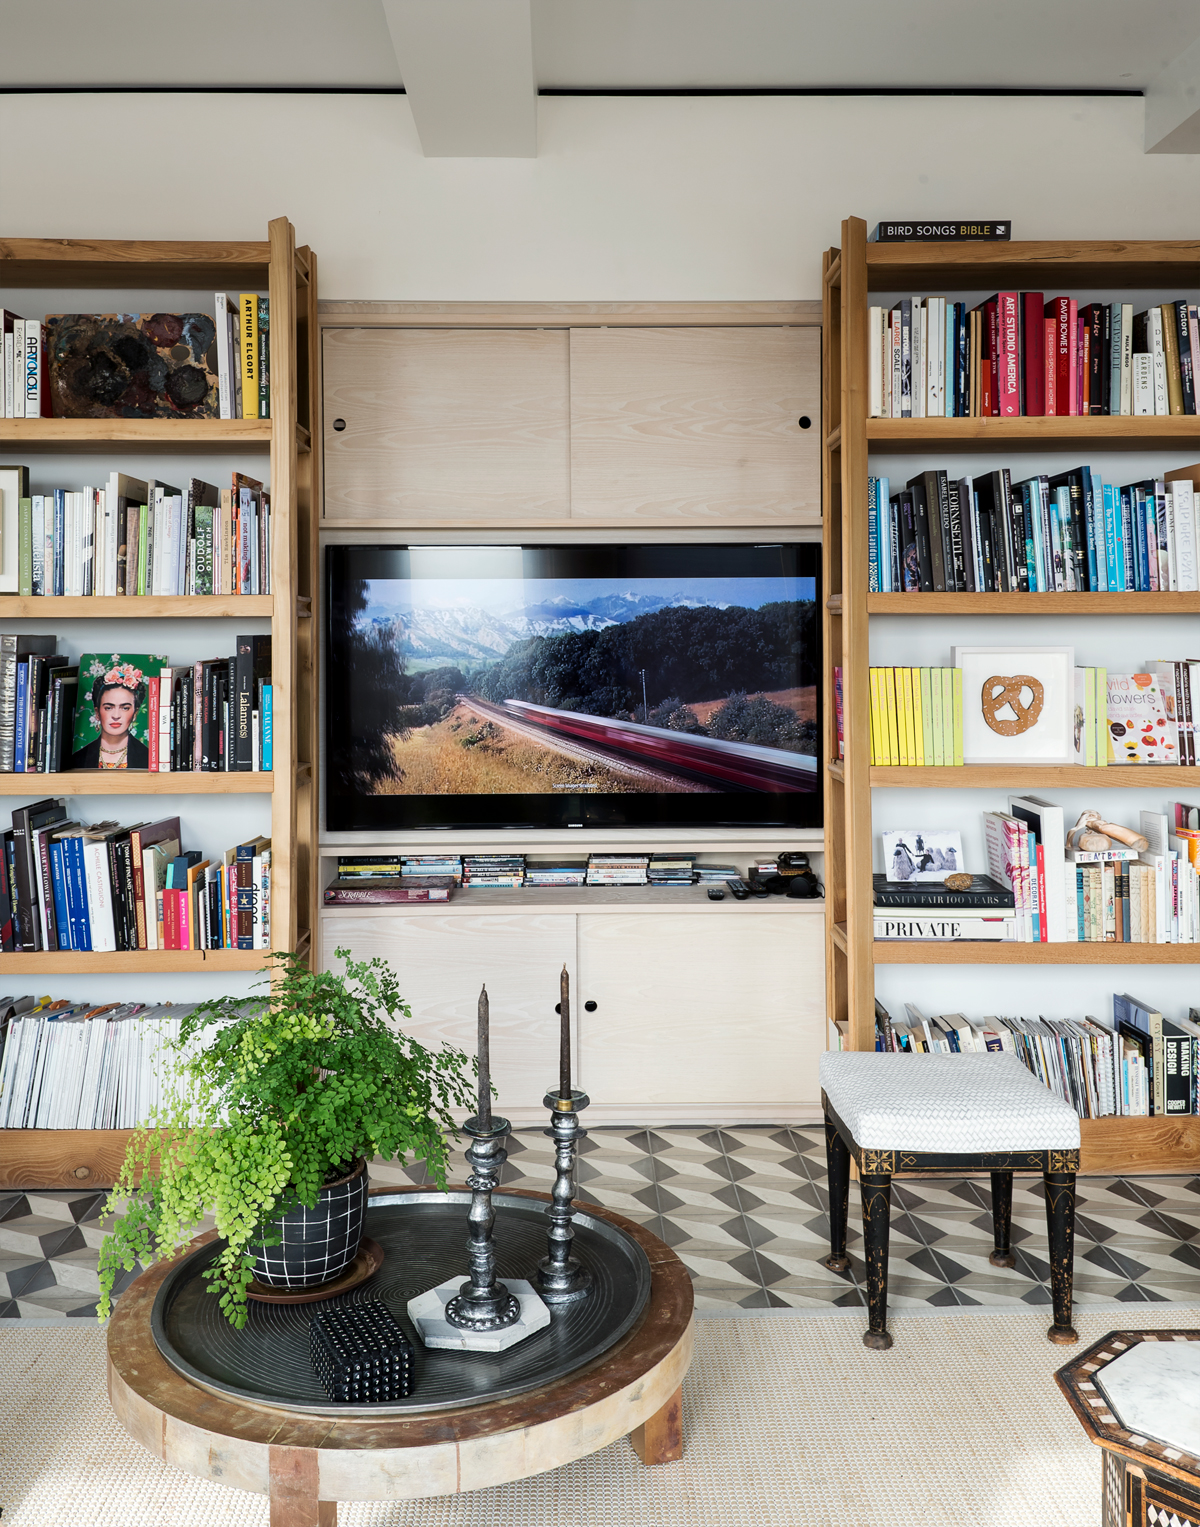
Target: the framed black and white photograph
(920, 855)
(1018, 704)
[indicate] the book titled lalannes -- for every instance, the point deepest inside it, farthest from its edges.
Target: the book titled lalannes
(952, 230)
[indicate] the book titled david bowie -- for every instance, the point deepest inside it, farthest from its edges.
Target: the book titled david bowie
(952, 230)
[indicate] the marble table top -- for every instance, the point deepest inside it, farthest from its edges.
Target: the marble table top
(1154, 1390)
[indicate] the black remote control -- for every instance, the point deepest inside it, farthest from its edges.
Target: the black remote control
(738, 886)
(715, 893)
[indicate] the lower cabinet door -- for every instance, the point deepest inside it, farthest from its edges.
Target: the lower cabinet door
(702, 1009)
(441, 962)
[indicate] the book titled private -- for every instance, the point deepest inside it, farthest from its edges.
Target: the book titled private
(939, 233)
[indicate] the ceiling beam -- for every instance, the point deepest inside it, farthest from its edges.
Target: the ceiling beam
(1173, 106)
(467, 67)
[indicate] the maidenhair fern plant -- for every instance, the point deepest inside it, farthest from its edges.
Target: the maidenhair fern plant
(270, 1096)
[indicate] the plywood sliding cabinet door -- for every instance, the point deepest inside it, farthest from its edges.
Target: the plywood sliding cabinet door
(441, 962)
(696, 425)
(429, 425)
(695, 1010)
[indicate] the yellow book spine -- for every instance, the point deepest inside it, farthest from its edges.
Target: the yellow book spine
(901, 718)
(889, 695)
(910, 719)
(877, 749)
(956, 711)
(1101, 718)
(918, 720)
(248, 353)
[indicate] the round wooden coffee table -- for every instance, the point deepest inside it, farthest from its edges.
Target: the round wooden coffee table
(306, 1463)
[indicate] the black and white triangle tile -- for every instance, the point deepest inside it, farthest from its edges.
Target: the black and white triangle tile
(746, 1211)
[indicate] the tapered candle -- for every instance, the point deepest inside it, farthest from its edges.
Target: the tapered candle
(484, 1111)
(564, 1035)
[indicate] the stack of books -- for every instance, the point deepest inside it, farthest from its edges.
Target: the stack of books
(1017, 354)
(76, 1065)
(24, 367)
(925, 911)
(106, 887)
(718, 874)
(136, 537)
(1070, 533)
(671, 869)
(495, 870)
(440, 866)
(370, 866)
(617, 869)
(244, 355)
(1136, 1063)
(561, 871)
(916, 716)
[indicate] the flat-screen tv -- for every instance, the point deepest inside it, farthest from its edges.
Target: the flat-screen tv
(581, 685)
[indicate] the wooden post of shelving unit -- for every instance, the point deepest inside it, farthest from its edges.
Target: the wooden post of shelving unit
(308, 627)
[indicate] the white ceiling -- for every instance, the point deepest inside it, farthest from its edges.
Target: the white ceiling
(665, 44)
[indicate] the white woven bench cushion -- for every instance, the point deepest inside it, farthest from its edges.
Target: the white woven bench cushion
(947, 1103)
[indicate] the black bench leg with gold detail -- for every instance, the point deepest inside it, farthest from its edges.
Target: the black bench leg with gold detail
(876, 1209)
(1059, 1177)
(837, 1156)
(1002, 1220)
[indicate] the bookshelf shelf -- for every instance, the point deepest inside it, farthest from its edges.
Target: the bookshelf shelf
(289, 438)
(850, 275)
(1122, 433)
(191, 435)
(65, 962)
(915, 952)
(992, 777)
(1032, 604)
(145, 607)
(135, 782)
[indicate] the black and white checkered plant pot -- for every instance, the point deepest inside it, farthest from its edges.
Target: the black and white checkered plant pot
(319, 1243)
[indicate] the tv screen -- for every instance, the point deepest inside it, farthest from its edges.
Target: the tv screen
(582, 685)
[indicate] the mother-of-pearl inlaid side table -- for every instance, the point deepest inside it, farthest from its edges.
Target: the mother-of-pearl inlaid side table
(305, 1462)
(1137, 1394)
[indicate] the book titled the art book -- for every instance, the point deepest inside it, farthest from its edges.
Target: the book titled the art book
(962, 230)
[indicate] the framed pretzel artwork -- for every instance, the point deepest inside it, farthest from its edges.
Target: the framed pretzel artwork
(1017, 704)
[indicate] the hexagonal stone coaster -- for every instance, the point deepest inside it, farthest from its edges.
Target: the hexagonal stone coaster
(426, 1312)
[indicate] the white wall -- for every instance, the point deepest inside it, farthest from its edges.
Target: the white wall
(629, 198)
(652, 199)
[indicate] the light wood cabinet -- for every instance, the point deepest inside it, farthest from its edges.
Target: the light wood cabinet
(695, 425)
(430, 426)
(712, 1014)
(441, 962)
(696, 1010)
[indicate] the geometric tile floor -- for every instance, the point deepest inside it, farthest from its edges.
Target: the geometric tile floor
(745, 1209)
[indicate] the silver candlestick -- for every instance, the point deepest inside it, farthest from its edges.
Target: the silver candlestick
(483, 1304)
(562, 1277)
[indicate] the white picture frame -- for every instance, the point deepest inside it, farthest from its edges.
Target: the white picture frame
(1049, 738)
(14, 482)
(921, 855)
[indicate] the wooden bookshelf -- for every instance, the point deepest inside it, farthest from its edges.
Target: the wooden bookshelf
(35, 1157)
(850, 275)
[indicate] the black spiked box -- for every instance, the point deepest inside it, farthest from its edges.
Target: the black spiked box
(360, 1354)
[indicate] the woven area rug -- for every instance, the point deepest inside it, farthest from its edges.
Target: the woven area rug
(790, 1422)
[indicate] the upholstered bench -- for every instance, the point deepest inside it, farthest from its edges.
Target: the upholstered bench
(954, 1114)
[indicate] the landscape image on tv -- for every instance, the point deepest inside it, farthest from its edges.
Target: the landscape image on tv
(565, 679)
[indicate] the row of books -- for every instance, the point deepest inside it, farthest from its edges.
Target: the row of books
(107, 887)
(135, 537)
(216, 715)
(243, 346)
(916, 716)
(79, 1065)
(1016, 355)
(363, 879)
(1136, 1063)
(1069, 533)
(1037, 890)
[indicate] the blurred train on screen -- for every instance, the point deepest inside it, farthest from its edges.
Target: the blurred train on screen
(714, 762)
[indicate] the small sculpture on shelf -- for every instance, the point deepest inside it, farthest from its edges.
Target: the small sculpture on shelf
(561, 1276)
(1092, 834)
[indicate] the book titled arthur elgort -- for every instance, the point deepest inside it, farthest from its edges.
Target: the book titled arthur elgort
(946, 232)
